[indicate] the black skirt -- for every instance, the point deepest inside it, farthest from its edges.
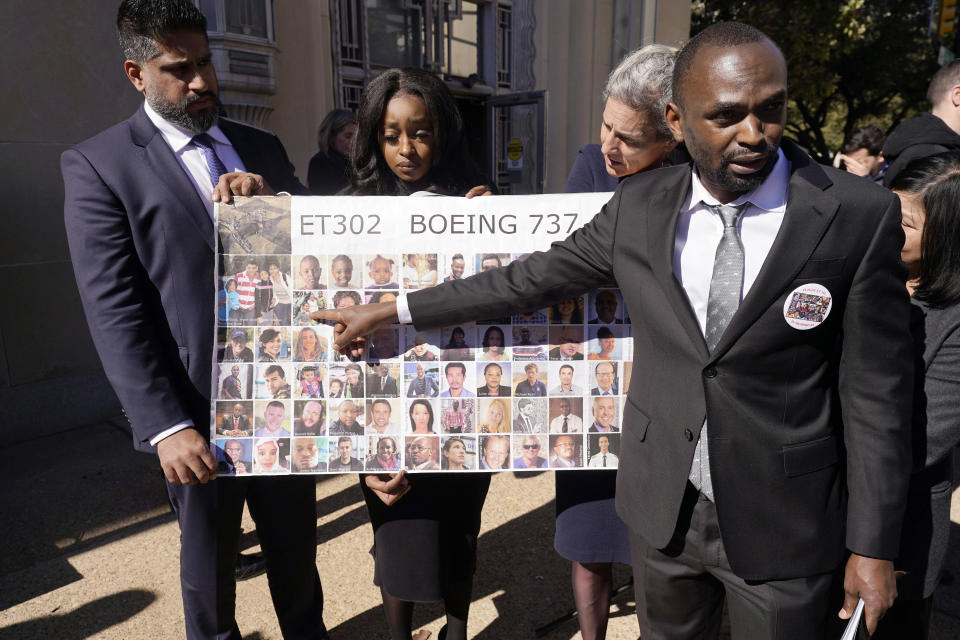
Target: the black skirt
(588, 527)
(427, 540)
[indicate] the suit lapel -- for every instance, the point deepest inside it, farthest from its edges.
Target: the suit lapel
(808, 214)
(248, 152)
(171, 176)
(663, 214)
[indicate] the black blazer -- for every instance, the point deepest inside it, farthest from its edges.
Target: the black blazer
(142, 245)
(809, 430)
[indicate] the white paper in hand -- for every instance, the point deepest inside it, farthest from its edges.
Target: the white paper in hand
(850, 633)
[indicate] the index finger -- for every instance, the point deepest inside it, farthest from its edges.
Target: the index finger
(333, 315)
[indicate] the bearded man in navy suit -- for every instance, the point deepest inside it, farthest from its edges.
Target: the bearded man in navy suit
(139, 216)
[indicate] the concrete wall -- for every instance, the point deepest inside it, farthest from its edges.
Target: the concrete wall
(63, 81)
(305, 90)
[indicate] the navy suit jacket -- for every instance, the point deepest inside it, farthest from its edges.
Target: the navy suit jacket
(143, 246)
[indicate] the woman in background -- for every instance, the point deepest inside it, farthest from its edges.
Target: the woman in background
(929, 192)
(329, 170)
(410, 138)
(633, 137)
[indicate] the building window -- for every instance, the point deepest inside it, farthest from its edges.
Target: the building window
(461, 32)
(247, 17)
(250, 18)
(242, 39)
(444, 36)
(395, 33)
(504, 45)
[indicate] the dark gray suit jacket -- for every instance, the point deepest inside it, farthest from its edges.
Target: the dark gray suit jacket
(936, 432)
(809, 430)
(142, 245)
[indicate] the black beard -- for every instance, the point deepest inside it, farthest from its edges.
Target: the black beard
(735, 183)
(178, 114)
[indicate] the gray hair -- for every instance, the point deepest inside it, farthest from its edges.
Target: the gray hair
(644, 81)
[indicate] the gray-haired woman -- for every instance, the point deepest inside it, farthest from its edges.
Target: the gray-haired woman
(633, 137)
(633, 134)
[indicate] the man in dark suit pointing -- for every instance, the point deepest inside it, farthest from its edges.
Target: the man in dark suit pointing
(138, 210)
(763, 457)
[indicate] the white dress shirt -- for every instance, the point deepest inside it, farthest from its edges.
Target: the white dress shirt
(574, 424)
(190, 156)
(699, 230)
(194, 164)
(597, 461)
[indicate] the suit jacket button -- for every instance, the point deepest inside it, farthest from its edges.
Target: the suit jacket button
(688, 435)
(710, 372)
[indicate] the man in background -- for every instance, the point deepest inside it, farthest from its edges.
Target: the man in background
(928, 134)
(862, 153)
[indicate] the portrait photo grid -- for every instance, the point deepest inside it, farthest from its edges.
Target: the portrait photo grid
(537, 390)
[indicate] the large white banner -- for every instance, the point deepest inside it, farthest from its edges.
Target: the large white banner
(533, 391)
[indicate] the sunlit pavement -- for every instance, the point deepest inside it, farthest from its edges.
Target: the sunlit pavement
(90, 551)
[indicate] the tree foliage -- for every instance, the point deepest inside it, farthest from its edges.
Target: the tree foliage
(850, 62)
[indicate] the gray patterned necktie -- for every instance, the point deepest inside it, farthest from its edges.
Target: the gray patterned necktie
(726, 287)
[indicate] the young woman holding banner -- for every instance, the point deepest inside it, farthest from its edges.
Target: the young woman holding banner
(410, 138)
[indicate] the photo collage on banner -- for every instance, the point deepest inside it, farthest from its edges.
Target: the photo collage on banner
(537, 390)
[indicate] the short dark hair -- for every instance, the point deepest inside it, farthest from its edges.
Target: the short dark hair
(275, 403)
(492, 364)
(946, 77)
(268, 335)
(721, 34)
(936, 179)
(382, 401)
(342, 258)
(452, 169)
(455, 365)
(604, 332)
(275, 368)
(869, 137)
(340, 295)
(142, 24)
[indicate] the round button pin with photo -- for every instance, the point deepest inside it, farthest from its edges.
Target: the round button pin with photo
(807, 306)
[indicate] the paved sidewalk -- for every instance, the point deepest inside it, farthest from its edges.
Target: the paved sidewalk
(90, 551)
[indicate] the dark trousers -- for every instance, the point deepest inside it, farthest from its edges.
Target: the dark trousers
(284, 509)
(681, 590)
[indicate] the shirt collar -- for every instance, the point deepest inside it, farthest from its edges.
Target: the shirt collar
(176, 136)
(771, 195)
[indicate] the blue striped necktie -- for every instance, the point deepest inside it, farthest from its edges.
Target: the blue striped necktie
(205, 143)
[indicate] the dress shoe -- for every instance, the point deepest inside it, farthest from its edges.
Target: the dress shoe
(249, 566)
